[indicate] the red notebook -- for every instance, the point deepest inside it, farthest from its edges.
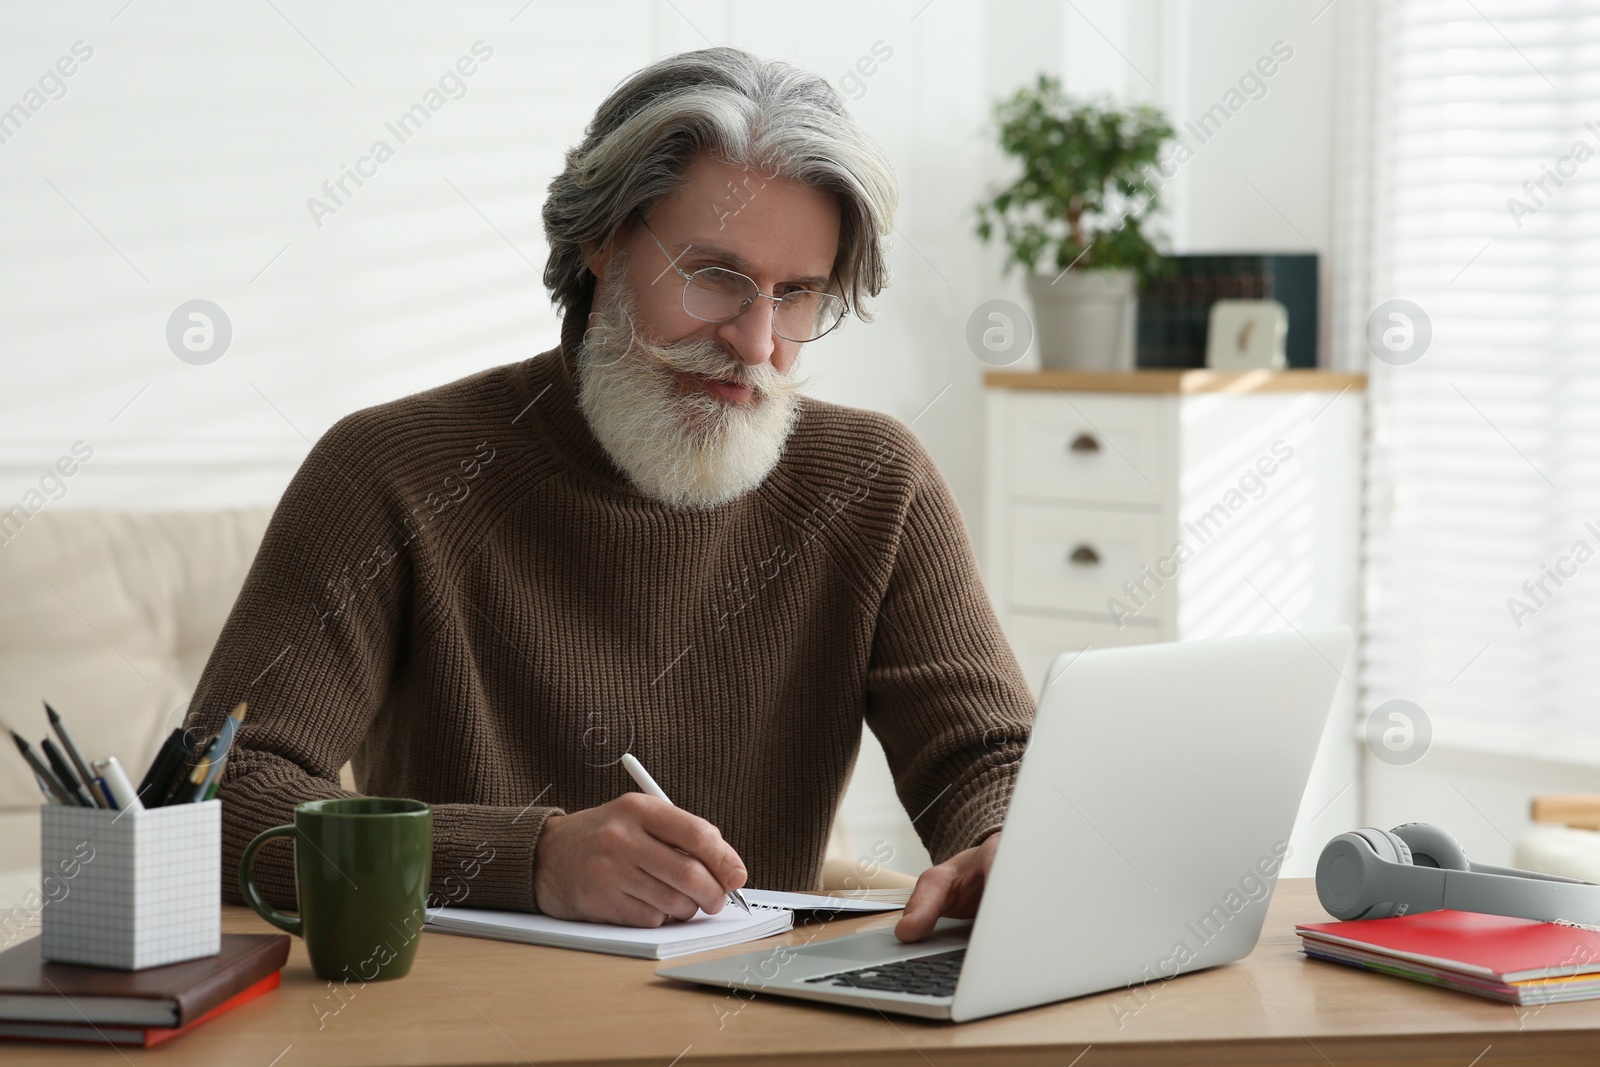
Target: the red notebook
(36, 990)
(1496, 947)
(148, 1037)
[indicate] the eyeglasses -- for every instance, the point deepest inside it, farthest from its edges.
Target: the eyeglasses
(716, 294)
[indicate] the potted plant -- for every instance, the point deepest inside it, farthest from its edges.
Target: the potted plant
(1073, 218)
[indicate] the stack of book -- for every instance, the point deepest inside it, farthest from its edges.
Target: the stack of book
(44, 1001)
(1517, 961)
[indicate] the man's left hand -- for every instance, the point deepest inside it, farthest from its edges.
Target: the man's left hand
(952, 889)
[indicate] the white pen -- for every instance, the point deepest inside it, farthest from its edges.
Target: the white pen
(123, 795)
(642, 779)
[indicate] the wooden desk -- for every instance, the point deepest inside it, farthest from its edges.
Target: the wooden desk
(470, 1001)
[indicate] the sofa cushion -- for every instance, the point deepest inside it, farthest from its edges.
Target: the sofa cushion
(110, 616)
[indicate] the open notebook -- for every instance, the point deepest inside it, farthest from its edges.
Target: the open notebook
(730, 926)
(770, 913)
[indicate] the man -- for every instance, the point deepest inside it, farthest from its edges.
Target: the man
(647, 541)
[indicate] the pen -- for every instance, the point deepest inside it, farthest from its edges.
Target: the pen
(43, 773)
(120, 790)
(70, 746)
(642, 779)
(69, 777)
(158, 780)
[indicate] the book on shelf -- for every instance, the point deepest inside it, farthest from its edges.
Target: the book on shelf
(1174, 311)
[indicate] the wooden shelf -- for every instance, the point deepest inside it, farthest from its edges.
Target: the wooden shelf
(1176, 381)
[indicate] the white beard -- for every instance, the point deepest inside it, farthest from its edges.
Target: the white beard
(688, 451)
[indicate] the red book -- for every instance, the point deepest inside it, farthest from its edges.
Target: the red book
(148, 1037)
(36, 990)
(1497, 947)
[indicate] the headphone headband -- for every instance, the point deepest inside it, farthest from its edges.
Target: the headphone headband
(1379, 874)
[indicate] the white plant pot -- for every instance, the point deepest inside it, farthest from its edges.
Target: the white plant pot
(1085, 319)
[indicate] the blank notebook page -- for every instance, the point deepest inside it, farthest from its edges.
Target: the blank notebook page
(730, 926)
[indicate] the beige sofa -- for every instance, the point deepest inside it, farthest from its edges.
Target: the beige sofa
(110, 616)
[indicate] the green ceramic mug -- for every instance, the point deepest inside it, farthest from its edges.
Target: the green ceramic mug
(361, 871)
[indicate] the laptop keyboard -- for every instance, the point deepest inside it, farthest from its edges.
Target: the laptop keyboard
(932, 976)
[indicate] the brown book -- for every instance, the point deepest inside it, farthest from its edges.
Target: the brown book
(35, 990)
(138, 1036)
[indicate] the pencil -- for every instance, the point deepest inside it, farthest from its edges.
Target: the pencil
(44, 773)
(69, 777)
(44, 787)
(219, 751)
(195, 789)
(79, 764)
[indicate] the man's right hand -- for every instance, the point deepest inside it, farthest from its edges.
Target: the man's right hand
(636, 861)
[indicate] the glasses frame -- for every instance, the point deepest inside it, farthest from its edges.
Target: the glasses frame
(688, 279)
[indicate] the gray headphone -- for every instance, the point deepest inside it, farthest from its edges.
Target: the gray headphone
(1378, 874)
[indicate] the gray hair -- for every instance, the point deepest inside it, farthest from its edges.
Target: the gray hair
(758, 114)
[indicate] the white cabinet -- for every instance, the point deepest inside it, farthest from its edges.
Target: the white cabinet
(1177, 505)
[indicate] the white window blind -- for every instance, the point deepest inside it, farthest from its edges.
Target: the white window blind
(1470, 154)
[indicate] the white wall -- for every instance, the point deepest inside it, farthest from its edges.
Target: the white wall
(179, 161)
(1480, 795)
(178, 164)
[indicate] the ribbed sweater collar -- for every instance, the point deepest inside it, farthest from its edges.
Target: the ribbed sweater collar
(551, 383)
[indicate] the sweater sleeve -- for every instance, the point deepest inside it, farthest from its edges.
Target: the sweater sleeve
(311, 644)
(945, 694)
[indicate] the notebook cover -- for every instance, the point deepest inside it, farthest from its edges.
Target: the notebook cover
(190, 989)
(1530, 991)
(1496, 946)
(147, 1037)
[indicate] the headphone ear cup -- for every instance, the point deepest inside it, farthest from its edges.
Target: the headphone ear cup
(1433, 847)
(1349, 864)
(1386, 845)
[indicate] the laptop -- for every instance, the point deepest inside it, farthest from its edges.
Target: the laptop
(1143, 839)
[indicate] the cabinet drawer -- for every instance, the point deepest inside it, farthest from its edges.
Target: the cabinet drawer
(1073, 559)
(1090, 447)
(1038, 640)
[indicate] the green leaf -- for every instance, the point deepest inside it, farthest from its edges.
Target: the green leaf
(1082, 181)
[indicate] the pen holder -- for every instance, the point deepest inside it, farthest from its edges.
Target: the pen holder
(131, 889)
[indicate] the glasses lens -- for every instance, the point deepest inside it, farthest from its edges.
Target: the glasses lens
(714, 294)
(805, 315)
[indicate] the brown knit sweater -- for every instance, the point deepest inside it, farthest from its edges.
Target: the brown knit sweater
(460, 593)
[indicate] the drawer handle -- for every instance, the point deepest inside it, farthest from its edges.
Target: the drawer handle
(1084, 442)
(1084, 556)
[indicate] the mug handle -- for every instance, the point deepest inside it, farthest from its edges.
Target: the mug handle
(247, 887)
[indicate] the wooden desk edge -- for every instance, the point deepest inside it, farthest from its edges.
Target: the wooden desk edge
(465, 1004)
